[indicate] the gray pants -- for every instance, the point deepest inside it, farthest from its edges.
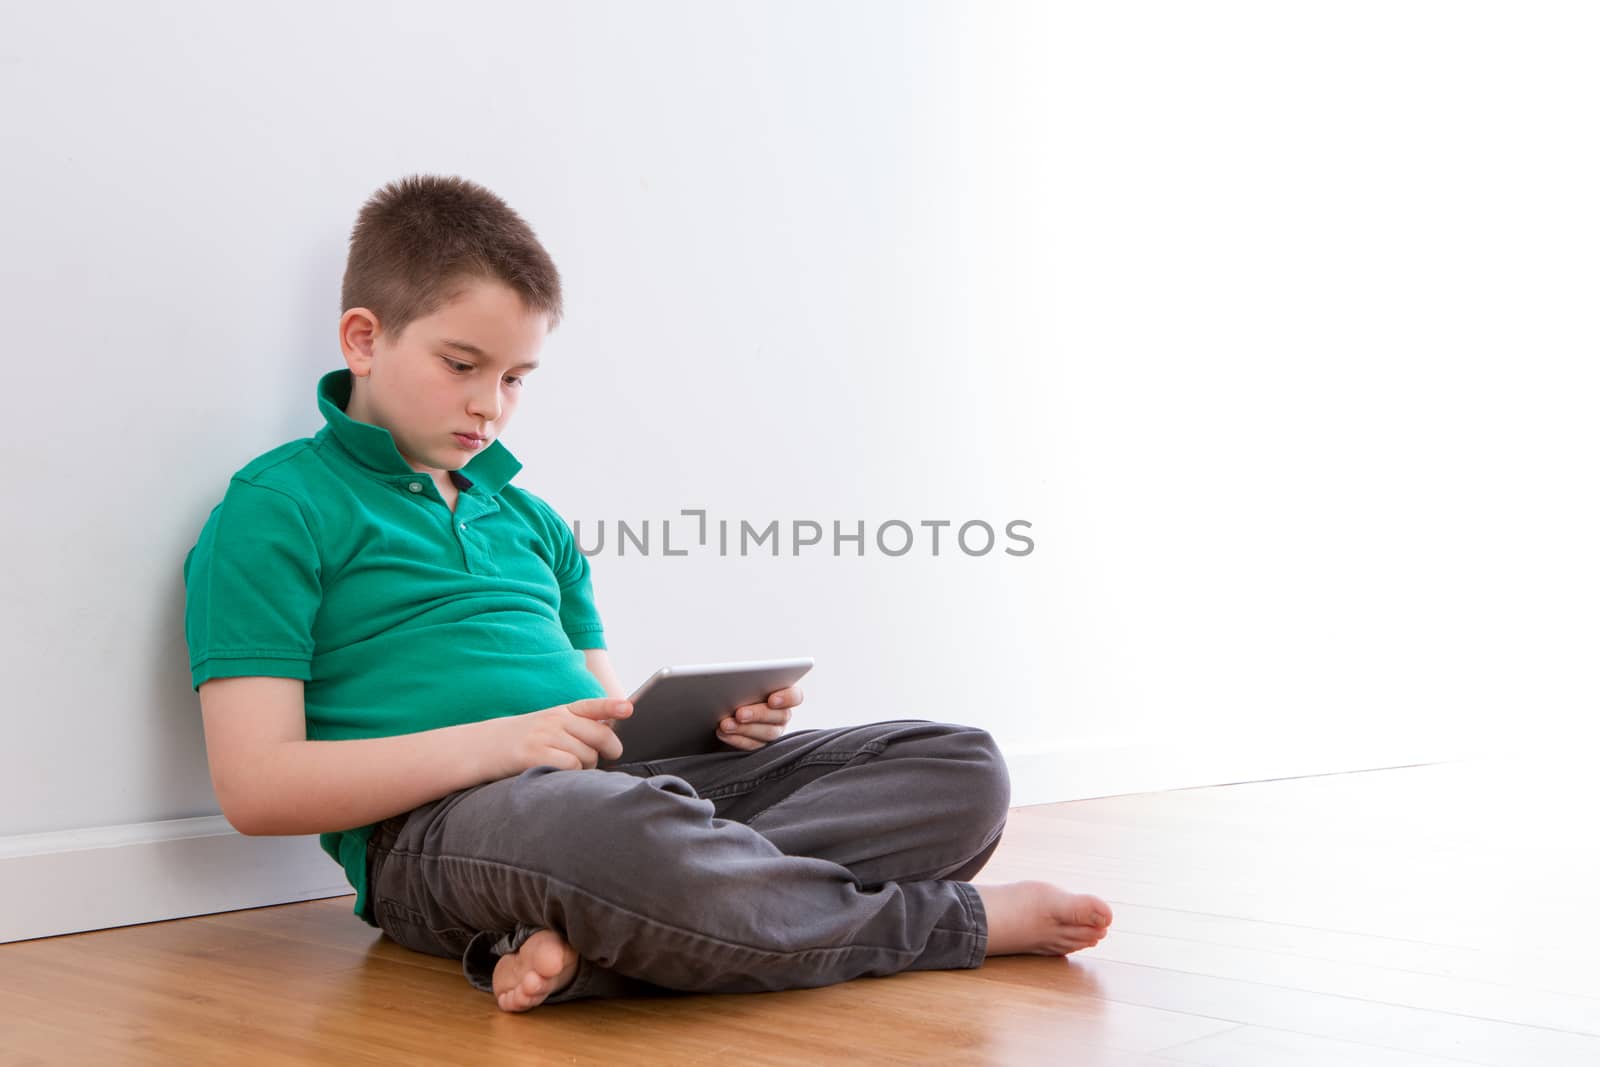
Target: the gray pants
(823, 856)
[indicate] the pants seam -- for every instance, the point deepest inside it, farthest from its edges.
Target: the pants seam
(745, 785)
(980, 941)
(841, 758)
(709, 938)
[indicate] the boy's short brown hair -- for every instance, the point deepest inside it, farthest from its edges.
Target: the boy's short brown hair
(421, 240)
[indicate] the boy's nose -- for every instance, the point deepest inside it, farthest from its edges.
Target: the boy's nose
(486, 408)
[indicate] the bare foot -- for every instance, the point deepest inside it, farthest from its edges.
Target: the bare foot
(542, 967)
(1041, 919)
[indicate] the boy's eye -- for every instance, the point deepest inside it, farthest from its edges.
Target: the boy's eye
(460, 367)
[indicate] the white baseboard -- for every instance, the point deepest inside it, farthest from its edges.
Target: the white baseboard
(1084, 770)
(75, 880)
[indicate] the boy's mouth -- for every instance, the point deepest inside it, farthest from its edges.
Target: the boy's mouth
(470, 440)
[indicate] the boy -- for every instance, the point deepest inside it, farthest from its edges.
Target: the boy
(397, 649)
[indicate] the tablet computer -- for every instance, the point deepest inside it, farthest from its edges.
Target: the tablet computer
(677, 709)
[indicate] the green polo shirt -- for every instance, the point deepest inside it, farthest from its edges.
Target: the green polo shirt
(330, 560)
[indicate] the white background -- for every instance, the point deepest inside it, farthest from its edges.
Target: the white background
(1276, 321)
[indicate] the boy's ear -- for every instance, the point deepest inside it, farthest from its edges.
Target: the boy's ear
(358, 328)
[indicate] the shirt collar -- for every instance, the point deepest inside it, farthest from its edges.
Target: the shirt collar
(373, 446)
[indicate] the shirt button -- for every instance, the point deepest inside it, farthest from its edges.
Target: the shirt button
(415, 487)
(463, 526)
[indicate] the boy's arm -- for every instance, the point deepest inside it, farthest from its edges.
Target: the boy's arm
(270, 780)
(599, 665)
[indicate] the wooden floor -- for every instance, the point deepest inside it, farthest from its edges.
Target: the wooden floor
(1437, 915)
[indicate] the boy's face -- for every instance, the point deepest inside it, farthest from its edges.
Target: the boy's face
(460, 370)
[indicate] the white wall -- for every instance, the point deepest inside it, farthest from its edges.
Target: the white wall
(1276, 323)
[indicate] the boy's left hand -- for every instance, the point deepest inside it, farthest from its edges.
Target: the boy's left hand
(753, 725)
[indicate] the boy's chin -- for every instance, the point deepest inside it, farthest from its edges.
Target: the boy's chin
(445, 462)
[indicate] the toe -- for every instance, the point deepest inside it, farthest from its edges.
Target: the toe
(1085, 936)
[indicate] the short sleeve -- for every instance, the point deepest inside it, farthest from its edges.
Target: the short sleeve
(579, 616)
(253, 584)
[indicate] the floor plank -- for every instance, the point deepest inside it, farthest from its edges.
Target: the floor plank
(1258, 1046)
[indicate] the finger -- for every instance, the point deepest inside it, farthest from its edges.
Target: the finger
(738, 741)
(610, 745)
(764, 730)
(727, 726)
(762, 713)
(595, 735)
(601, 708)
(728, 730)
(568, 745)
(786, 698)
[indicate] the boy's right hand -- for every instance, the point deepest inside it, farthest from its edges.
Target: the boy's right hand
(568, 736)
